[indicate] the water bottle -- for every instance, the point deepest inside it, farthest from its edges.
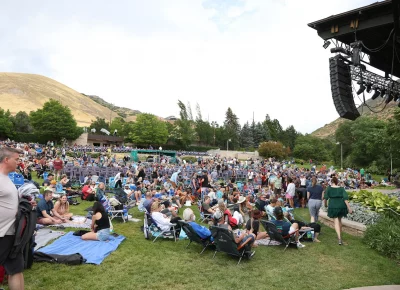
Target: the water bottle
(125, 212)
(309, 235)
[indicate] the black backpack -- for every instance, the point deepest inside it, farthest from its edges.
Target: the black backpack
(25, 224)
(120, 195)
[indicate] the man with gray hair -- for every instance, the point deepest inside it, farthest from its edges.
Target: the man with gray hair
(189, 217)
(9, 158)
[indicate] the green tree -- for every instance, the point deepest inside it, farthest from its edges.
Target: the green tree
(184, 133)
(6, 124)
(274, 128)
(273, 149)
(203, 128)
(118, 124)
(289, 136)
(149, 130)
(55, 121)
(99, 124)
(310, 147)
(246, 137)
(363, 141)
(22, 123)
(232, 128)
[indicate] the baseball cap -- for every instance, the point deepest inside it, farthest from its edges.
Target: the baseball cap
(278, 211)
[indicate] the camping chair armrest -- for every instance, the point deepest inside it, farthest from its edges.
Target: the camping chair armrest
(291, 234)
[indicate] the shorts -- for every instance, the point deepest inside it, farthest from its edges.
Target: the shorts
(103, 234)
(12, 266)
(289, 196)
(291, 230)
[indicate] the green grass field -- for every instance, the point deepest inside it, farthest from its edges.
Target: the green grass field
(140, 264)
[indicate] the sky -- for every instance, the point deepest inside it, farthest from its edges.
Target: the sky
(255, 56)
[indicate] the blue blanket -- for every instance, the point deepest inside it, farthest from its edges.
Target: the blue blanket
(93, 251)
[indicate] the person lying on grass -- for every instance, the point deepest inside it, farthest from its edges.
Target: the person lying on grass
(100, 228)
(46, 215)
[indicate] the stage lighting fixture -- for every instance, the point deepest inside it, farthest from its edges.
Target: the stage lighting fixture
(326, 44)
(376, 94)
(389, 98)
(361, 89)
(369, 87)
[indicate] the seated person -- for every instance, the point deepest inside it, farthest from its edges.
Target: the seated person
(45, 213)
(100, 228)
(148, 201)
(88, 192)
(62, 208)
(213, 198)
(162, 221)
(270, 208)
(237, 215)
(47, 181)
(253, 225)
(303, 226)
(100, 191)
(206, 206)
(243, 238)
(222, 208)
(284, 227)
(190, 218)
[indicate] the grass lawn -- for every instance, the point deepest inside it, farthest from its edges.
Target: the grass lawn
(139, 264)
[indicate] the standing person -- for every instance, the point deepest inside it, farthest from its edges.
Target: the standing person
(58, 165)
(290, 192)
(8, 207)
(338, 205)
(314, 197)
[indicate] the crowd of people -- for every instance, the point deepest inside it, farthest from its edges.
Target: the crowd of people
(231, 193)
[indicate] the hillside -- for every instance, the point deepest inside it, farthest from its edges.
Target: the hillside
(121, 111)
(328, 131)
(28, 92)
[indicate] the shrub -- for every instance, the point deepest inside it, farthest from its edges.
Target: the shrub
(190, 159)
(363, 214)
(384, 236)
(375, 200)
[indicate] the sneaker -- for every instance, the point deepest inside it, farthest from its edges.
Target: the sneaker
(340, 242)
(300, 245)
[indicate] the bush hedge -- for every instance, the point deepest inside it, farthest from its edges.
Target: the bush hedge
(384, 236)
(190, 159)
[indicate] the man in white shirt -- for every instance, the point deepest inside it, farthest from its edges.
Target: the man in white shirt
(9, 158)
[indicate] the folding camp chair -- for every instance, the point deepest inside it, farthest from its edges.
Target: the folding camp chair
(225, 242)
(203, 216)
(18, 180)
(193, 236)
(116, 209)
(275, 235)
(150, 228)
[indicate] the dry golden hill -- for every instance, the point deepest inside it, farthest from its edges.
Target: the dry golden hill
(28, 92)
(328, 131)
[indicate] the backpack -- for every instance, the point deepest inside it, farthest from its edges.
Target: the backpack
(120, 195)
(25, 223)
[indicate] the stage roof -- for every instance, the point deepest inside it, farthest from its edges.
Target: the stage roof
(372, 25)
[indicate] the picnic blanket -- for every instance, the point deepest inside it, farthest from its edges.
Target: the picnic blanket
(78, 222)
(43, 236)
(93, 251)
(265, 242)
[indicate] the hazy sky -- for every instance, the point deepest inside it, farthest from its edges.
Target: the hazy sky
(251, 55)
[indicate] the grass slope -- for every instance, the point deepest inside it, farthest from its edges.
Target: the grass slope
(28, 92)
(141, 264)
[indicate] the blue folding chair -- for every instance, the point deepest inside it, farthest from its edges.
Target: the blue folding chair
(45, 175)
(18, 180)
(11, 176)
(59, 188)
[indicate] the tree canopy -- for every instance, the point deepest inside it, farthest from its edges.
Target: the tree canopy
(149, 130)
(55, 120)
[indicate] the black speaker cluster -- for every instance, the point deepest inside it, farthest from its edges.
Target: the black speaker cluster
(341, 88)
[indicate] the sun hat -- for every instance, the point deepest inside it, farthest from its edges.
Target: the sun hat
(241, 199)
